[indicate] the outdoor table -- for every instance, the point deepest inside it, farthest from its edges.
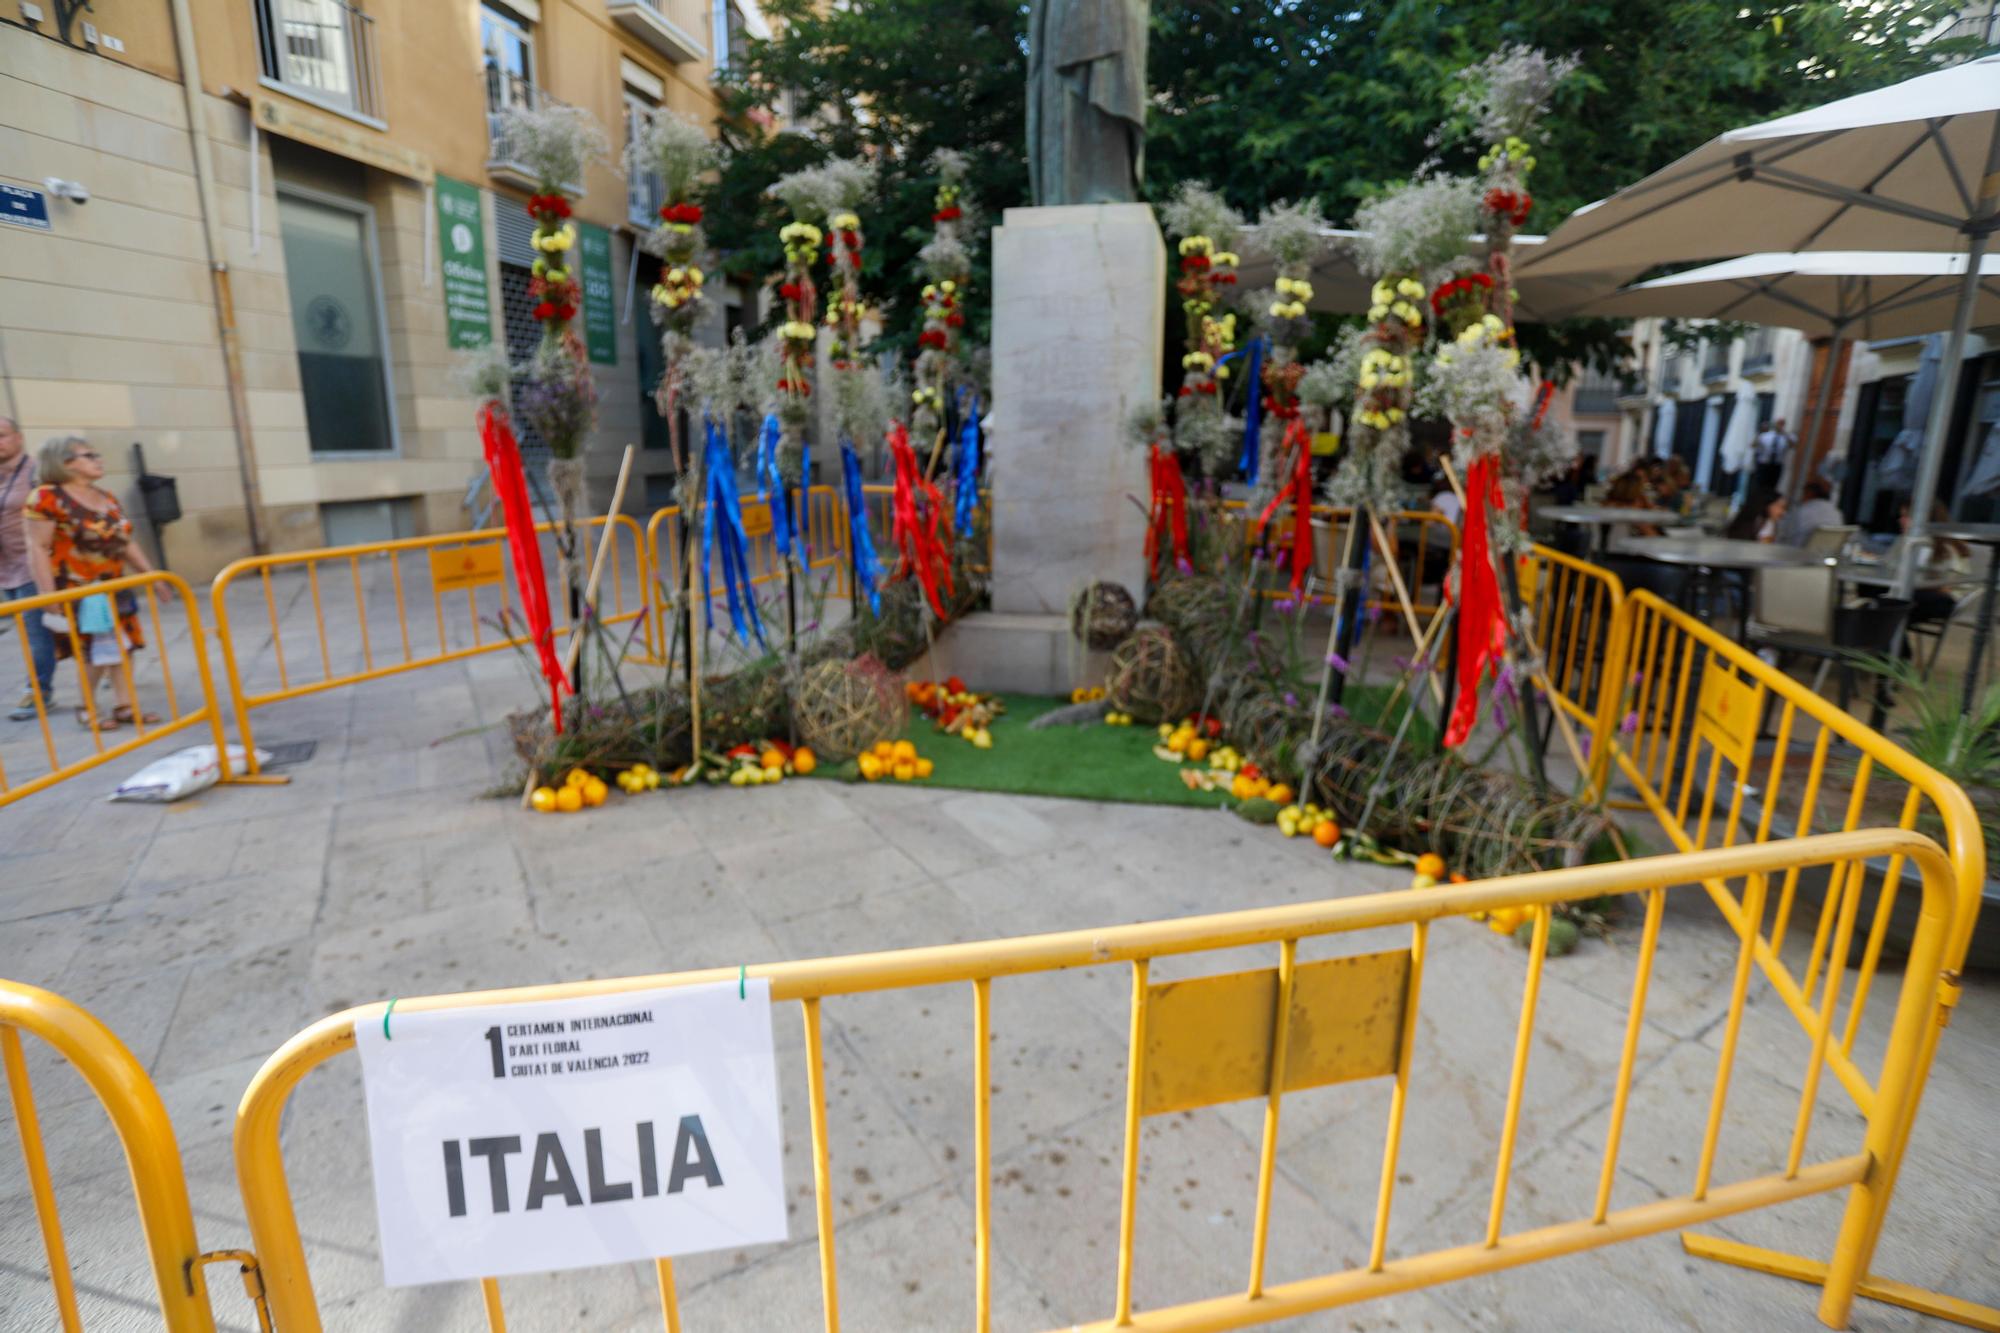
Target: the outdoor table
(1726, 554)
(1984, 534)
(1605, 517)
(1883, 575)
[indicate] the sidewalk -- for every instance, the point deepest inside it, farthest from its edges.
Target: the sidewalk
(208, 932)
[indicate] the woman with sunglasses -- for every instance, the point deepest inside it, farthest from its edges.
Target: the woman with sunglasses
(78, 535)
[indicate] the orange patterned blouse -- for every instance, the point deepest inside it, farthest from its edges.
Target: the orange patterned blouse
(89, 544)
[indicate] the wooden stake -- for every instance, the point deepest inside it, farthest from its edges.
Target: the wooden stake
(604, 543)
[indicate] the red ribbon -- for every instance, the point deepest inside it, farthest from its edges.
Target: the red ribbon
(1299, 491)
(918, 517)
(510, 483)
(1168, 519)
(1482, 628)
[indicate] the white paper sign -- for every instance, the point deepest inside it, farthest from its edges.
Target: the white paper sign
(570, 1133)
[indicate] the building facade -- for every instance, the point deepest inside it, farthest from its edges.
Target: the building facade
(300, 216)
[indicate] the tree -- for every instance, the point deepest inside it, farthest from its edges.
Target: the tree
(1331, 99)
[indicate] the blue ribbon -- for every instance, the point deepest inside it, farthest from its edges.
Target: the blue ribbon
(1253, 414)
(772, 487)
(723, 501)
(967, 498)
(867, 566)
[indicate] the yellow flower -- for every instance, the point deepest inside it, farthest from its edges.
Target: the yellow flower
(1410, 287)
(846, 222)
(1226, 258)
(947, 286)
(1377, 313)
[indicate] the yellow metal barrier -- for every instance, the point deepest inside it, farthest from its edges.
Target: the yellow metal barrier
(1725, 749)
(140, 1121)
(824, 531)
(1262, 1034)
(99, 736)
(1422, 542)
(1578, 613)
(449, 570)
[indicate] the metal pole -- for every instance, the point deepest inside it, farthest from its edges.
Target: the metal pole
(1981, 229)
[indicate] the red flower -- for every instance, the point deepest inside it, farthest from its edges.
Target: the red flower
(951, 214)
(955, 320)
(791, 291)
(1206, 388)
(545, 311)
(1194, 263)
(549, 203)
(937, 338)
(689, 213)
(1186, 390)
(1220, 278)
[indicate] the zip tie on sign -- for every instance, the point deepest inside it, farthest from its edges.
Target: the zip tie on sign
(385, 1018)
(742, 970)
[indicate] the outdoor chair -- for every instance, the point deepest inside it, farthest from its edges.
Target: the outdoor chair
(1965, 612)
(1830, 539)
(1796, 611)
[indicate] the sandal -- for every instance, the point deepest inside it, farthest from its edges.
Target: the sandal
(122, 716)
(103, 723)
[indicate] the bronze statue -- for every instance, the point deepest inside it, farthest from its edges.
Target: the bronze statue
(1086, 100)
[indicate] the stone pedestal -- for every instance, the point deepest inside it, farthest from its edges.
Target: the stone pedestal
(1079, 312)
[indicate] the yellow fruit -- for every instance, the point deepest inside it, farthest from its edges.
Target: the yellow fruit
(871, 767)
(1166, 730)
(1505, 920)
(925, 767)
(569, 799)
(982, 739)
(1197, 749)
(1422, 881)
(803, 761)
(905, 769)
(1430, 863)
(904, 751)
(884, 750)
(594, 792)
(1279, 792)
(576, 777)
(740, 778)
(544, 799)
(652, 780)
(771, 759)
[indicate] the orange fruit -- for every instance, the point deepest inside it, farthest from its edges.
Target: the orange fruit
(1280, 793)
(1326, 833)
(871, 767)
(771, 759)
(1505, 920)
(884, 750)
(1197, 749)
(569, 799)
(924, 768)
(544, 799)
(576, 777)
(904, 751)
(1430, 863)
(803, 761)
(905, 769)
(594, 792)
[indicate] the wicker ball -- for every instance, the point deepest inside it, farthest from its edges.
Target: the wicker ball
(1103, 615)
(1151, 678)
(843, 707)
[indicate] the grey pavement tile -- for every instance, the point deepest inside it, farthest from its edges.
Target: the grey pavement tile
(474, 946)
(785, 874)
(35, 950)
(246, 1007)
(197, 923)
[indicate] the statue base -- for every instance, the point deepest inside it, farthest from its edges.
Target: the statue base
(1079, 312)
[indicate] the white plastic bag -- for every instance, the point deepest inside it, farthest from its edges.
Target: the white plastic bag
(182, 773)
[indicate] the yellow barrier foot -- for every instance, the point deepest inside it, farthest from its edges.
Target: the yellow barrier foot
(1801, 1269)
(256, 780)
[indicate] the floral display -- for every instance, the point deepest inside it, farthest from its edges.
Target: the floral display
(947, 270)
(558, 144)
(1205, 230)
(1294, 235)
(824, 202)
(677, 152)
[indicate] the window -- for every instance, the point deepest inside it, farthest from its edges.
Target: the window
(644, 193)
(331, 273)
(320, 51)
(509, 50)
(1590, 442)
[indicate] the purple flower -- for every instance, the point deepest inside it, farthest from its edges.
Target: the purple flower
(1337, 662)
(1372, 612)
(810, 628)
(1335, 710)
(1401, 663)
(1583, 741)
(1286, 606)
(1630, 724)
(1183, 564)
(1291, 700)
(1638, 677)
(1253, 638)
(1503, 685)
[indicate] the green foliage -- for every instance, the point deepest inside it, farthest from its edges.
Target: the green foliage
(1308, 99)
(1964, 746)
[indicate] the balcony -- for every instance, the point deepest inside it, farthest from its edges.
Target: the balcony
(1759, 351)
(323, 52)
(671, 27)
(1715, 361)
(1596, 395)
(503, 162)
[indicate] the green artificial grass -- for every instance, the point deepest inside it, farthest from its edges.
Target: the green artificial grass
(1093, 762)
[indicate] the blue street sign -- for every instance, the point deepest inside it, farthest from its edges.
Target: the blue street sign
(24, 208)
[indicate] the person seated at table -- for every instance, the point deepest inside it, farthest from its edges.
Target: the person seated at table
(1948, 557)
(1816, 510)
(1670, 483)
(1629, 491)
(1756, 519)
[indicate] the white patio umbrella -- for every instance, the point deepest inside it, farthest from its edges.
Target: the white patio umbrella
(1915, 166)
(1867, 294)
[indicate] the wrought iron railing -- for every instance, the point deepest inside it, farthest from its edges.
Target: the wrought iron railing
(322, 51)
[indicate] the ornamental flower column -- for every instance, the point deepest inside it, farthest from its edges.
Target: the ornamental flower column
(1206, 228)
(947, 264)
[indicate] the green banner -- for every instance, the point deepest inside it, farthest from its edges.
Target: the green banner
(468, 304)
(600, 323)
